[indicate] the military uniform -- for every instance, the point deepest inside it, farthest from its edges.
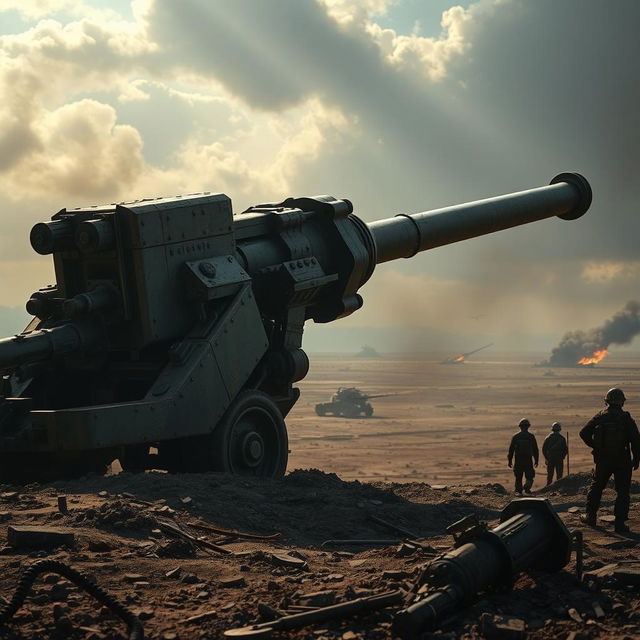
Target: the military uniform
(554, 450)
(613, 436)
(524, 449)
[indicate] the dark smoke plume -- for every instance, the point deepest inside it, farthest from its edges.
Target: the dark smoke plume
(575, 345)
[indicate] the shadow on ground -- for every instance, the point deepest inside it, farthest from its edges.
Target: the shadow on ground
(307, 507)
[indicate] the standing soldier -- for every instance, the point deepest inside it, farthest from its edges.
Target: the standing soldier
(613, 436)
(554, 450)
(525, 449)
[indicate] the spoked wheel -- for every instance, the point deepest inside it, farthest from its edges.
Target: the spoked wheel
(251, 439)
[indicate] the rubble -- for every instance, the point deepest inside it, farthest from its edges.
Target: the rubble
(292, 573)
(30, 537)
(496, 627)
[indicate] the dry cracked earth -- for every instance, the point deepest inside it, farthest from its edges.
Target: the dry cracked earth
(157, 543)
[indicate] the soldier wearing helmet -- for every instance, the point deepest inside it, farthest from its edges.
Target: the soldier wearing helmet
(524, 449)
(554, 451)
(613, 437)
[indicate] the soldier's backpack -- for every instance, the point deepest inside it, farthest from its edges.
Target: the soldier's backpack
(610, 438)
(555, 446)
(523, 446)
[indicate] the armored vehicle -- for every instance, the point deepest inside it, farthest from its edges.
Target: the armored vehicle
(348, 402)
(172, 338)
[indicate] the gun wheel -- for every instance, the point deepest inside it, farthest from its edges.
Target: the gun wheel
(251, 439)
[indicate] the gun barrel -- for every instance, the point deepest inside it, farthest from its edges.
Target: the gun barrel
(568, 197)
(47, 343)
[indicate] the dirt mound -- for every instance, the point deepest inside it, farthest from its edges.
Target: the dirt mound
(573, 483)
(578, 483)
(307, 507)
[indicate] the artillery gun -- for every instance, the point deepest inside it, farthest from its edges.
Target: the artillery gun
(172, 337)
(349, 402)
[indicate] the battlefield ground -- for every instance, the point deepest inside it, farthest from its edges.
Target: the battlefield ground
(432, 453)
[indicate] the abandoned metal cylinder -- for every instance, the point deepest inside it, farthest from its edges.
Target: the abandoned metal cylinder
(530, 536)
(568, 197)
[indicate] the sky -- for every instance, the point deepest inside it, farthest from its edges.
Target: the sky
(397, 105)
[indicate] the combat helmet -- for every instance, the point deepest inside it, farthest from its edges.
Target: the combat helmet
(615, 396)
(524, 423)
(556, 426)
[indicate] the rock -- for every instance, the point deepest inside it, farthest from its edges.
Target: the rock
(627, 576)
(176, 548)
(358, 562)
(319, 598)
(334, 577)
(597, 609)
(573, 509)
(146, 614)
(394, 575)
(62, 504)
(235, 582)
(602, 572)
(173, 573)
(103, 494)
(405, 550)
(132, 577)
(39, 537)
(201, 617)
(190, 578)
(286, 560)
(267, 613)
(574, 615)
(502, 627)
(350, 635)
(99, 546)
(186, 501)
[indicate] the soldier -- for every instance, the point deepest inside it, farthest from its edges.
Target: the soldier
(554, 450)
(613, 435)
(525, 448)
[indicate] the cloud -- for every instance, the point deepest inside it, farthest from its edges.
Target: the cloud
(426, 56)
(610, 271)
(31, 9)
(266, 100)
(76, 149)
(346, 12)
